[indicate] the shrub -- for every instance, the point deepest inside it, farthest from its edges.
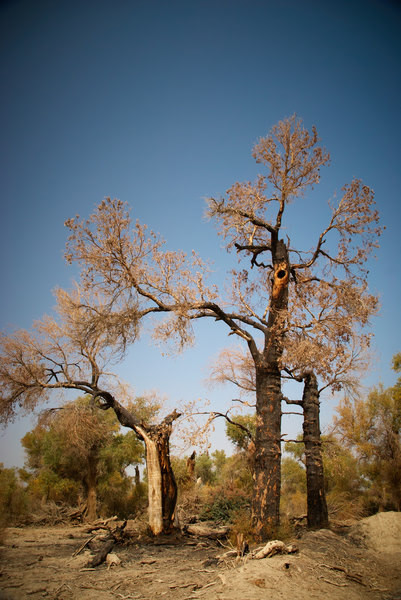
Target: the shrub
(223, 504)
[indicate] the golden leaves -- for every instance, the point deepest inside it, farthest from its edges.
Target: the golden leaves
(292, 156)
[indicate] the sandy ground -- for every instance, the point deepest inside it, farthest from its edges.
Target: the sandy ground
(361, 561)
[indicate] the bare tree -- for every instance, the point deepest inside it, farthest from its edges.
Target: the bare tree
(326, 342)
(134, 272)
(250, 219)
(71, 351)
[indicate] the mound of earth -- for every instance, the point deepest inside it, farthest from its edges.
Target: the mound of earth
(381, 532)
(364, 562)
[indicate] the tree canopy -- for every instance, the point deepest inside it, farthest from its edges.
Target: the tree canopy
(287, 304)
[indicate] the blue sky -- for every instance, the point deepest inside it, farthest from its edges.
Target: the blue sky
(159, 103)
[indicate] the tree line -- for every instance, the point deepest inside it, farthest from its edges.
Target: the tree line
(298, 313)
(361, 455)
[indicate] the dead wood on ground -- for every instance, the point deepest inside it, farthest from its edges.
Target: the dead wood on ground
(206, 530)
(273, 547)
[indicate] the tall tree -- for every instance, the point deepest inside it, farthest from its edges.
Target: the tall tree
(132, 269)
(71, 351)
(326, 339)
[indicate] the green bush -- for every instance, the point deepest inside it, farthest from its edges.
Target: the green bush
(223, 504)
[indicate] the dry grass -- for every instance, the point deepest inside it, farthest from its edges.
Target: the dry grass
(342, 507)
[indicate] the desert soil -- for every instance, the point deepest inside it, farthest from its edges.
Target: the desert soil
(348, 563)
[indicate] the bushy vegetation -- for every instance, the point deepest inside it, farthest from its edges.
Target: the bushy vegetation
(72, 455)
(361, 455)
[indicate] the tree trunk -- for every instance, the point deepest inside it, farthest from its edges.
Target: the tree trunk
(267, 454)
(91, 498)
(162, 488)
(316, 498)
(153, 468)
(191, 467)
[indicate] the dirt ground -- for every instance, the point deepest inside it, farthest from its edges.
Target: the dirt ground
(354, 562)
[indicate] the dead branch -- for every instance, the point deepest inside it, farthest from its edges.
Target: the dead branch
(79, 550)
(229, 554)
(100, 524)
(333, 582)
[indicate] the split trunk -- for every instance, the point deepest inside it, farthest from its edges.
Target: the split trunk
(162, 487)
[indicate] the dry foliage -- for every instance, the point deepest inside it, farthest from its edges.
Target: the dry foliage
(286, 298)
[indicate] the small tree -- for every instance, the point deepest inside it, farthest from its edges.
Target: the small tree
(337, 361)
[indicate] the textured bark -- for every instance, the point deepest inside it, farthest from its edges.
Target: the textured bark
(316, 498)
(155, 510)
(162, 487)
(169, 485)
(267, 454)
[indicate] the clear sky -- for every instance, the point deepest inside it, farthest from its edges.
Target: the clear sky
(159, 103)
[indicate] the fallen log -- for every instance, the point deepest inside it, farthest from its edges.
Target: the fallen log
(229, 554)
(205, 530)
